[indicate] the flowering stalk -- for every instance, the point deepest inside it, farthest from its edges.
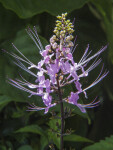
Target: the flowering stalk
(62, 114)
(57, 69)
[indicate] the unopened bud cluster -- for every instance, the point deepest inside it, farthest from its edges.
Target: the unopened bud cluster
(63, 26)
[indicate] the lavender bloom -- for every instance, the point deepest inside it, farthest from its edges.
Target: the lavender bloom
(57, 62)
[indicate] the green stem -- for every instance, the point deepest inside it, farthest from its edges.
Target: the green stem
(62, 115)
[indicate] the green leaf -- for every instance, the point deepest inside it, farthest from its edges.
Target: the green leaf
(109, 32)
(25, 147)
(43, 142)
(2, 147)
(4, 100)
(26, 9)
(52, 136)
(76, 138)
(105, 8)
(9, 23)
(106, 144)
(31, 129)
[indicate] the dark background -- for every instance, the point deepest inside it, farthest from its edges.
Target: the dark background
(23, 130)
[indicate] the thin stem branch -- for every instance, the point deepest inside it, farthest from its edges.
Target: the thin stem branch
(62, 115)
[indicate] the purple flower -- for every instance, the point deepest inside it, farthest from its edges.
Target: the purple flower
(73, 100)
(57, 63)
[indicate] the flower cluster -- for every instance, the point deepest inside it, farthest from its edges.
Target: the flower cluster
(57, 66)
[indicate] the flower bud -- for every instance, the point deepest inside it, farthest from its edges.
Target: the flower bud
(55, 45)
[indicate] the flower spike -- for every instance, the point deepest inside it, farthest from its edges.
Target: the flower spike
(57, 68)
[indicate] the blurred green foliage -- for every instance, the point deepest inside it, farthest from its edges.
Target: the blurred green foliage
(103, 144)
(23, 130)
